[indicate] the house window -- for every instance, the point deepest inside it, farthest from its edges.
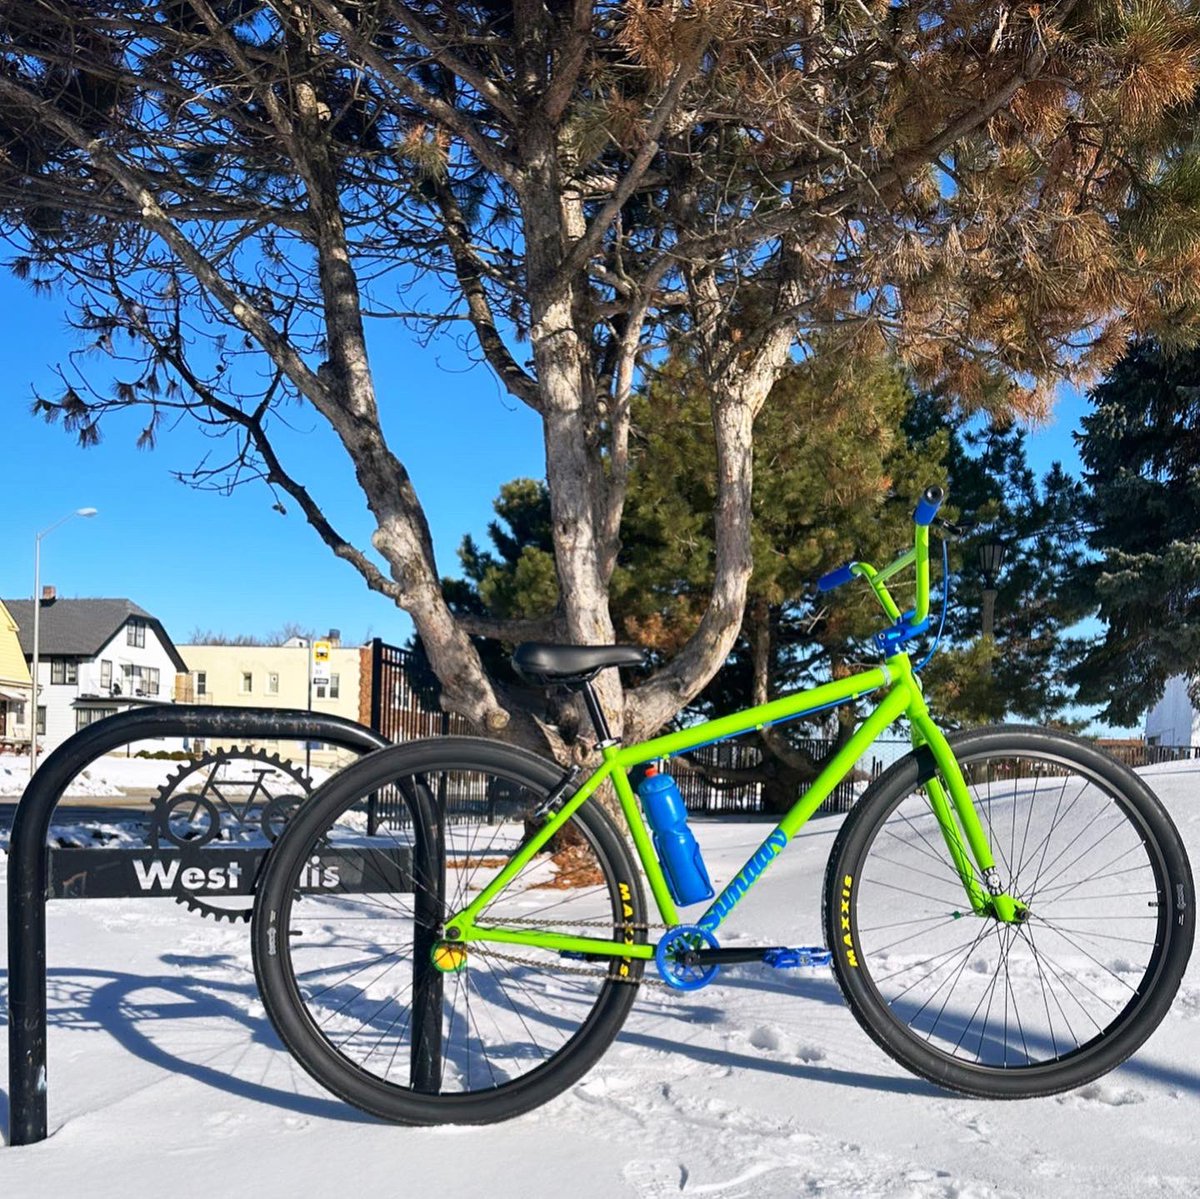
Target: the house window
(135, 632)
(105, 675)
(64, 670)
(41, 720)
(247, 682)
(333, 688)
(86, 716)
(201, 682)
(19, 712)
(273, 683)
(152, 680)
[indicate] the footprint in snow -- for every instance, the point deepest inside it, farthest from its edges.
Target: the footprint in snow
(1103, 1093)
(766, 1037)
(771, 1040)
(661, 1180)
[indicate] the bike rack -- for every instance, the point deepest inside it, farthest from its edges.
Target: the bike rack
(29, 876)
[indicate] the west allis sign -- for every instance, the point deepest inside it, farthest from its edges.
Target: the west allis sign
(216, 871)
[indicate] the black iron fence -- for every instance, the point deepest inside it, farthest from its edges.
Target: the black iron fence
(705, 793)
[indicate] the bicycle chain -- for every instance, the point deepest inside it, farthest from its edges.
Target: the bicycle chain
(561, 968)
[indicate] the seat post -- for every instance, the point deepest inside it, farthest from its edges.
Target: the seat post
(599, 723)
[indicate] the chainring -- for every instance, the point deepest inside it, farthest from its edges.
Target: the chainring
(672, 952)
(235, 907)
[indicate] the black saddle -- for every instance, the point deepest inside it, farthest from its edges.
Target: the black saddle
(566, 663)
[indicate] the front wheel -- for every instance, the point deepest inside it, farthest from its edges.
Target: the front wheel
(350, 918)
(1030, 1008)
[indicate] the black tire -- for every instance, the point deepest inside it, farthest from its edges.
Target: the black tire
(1082, 987)
(189, 821)
(513, 1034)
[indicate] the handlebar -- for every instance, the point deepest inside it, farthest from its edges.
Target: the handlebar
(835, 578)
(930, 501)
(906, 624)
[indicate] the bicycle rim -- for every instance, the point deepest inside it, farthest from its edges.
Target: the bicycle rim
(503, 1027)
(965, 999)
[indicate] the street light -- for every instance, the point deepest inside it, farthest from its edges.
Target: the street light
(37, 611)
(991, 560)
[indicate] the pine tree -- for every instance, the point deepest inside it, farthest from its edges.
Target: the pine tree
(1141, 450)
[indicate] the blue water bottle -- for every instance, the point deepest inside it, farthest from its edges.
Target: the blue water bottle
(687, 879)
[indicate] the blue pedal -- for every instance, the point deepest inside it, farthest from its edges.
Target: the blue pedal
(805, 955)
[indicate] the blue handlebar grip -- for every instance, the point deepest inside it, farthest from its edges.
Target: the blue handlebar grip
(835, 578)
(928, 505)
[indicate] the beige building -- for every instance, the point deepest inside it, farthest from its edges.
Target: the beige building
(15, 688)
(275, 676)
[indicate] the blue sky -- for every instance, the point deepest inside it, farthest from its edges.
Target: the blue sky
(230, 564)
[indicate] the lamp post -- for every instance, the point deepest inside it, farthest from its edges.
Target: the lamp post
(37, 610)
(991, 560)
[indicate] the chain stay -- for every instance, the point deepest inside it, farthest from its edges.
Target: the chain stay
(560, 967)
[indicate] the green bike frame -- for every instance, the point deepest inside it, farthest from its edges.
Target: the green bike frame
(955, 812)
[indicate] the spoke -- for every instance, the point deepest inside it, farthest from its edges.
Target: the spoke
(516, 1012)
(1016, 1007)
(1061, 973)
(911, 936)
(874, 928)
(362, 991)
(988, 994)
(940, 858)
(954, 983)
(1120, 823)
(937, 878)
(1096, 961)
(1059, 817)
(1015, 872)
(354, 974)
(1100, 872)
(938, 957)
(1026, 934)
(878, 882)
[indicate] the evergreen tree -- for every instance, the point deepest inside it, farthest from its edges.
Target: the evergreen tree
(1023, 671)
(1141, 449)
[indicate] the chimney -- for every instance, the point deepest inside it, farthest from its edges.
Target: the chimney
(49, 595)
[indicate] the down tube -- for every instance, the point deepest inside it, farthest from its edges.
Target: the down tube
(892, 707)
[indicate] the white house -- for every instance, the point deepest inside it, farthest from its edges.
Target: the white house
(1173, 720)
(96, 657)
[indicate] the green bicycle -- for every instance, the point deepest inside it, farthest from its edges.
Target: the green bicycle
(1008, 910)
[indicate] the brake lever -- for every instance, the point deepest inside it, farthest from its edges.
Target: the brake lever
(955, 532)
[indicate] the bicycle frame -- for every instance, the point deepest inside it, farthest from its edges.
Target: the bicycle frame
(955, 813)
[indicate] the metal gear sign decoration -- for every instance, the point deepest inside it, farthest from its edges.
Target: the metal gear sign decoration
(230, 799)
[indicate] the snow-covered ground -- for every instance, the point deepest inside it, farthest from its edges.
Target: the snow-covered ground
(165, 1079)
(109, 777)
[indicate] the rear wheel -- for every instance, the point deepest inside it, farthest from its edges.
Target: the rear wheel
(1012, 1010)
(347, 926)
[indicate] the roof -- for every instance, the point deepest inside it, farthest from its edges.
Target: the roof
(82, 627)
